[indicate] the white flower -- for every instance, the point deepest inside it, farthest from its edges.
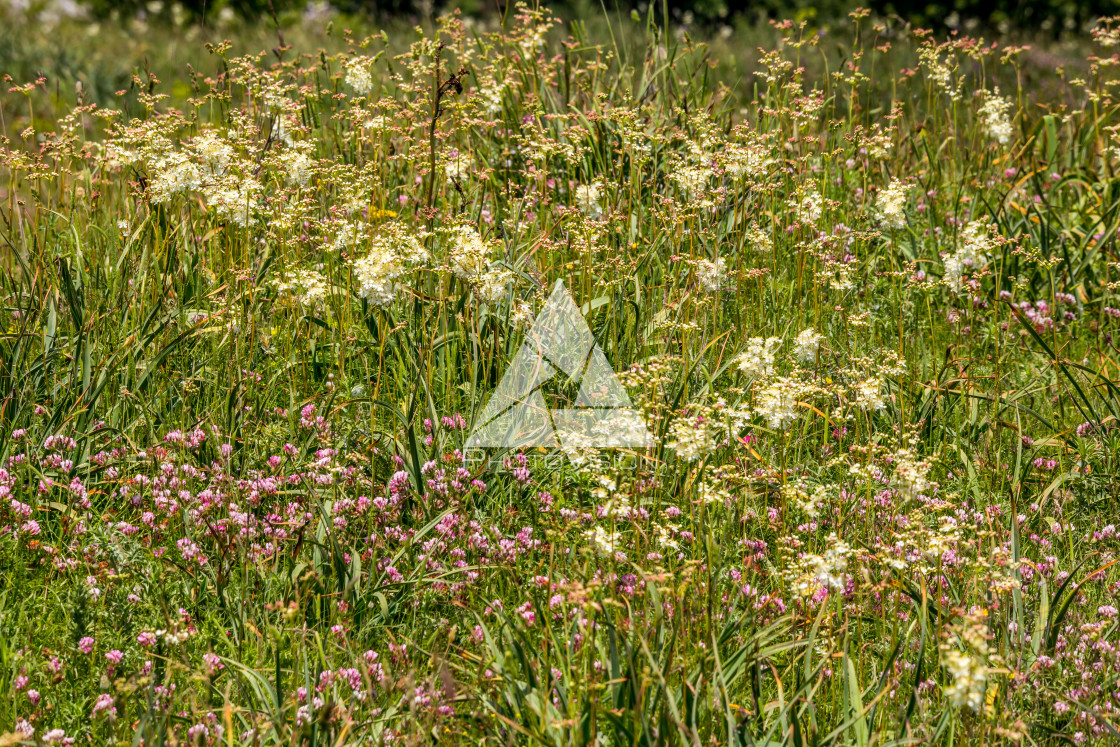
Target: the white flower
(306, 285)
(776, 401)
(469, 254)
(665, 537)
(171, 175)
(869, 394)
(234, 199)
(214, 152)
(994, 115)
(829, 570)
(297, 163)
(357, 75)
(745, 160)
(394, 252)
(457, 167)
(805, 345)
(693, 437)
(603, 541)
(470, 260)
(970, 679)
(911, 474)
(972, 254)
(533, 39)
(492, 285)
(489, 97)
(809, 208)
(892, 204)
(711, 275)
(587, 199)
(758, 359)
(759, 240)
(692, 180)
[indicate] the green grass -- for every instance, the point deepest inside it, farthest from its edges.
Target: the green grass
(247, 329)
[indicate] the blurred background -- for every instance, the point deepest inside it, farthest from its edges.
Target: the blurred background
(1052, 17)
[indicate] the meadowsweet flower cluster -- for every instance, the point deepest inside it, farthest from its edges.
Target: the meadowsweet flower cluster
(470, 260)
(994, 115)
(757, 360)
(970, 255)
(394, 251)
(892, 205)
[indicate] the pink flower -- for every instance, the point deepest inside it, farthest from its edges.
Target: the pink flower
(86, 645)
(104, 707)
(213, 663)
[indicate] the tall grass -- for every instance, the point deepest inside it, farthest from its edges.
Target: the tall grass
(860, 286)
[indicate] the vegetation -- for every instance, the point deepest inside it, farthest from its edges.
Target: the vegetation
(861, 290)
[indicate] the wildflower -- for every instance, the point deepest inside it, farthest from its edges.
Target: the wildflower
(910, 474)
(104, 707)
(994, 116)
(457, 166)
(711, 274)
(469, 253)
(776, 401)
(358, 76)
(492, 285)
(806, 344)
(393, 253)
(969, 679)
(692, 180)
(892, 205)
(587, 199)
(489, 97)
(470, 261)
(758, 359)
(971, 254)
(234, 199)
(759, 240)
(967, 663)
(940, 73)
(173, 174)
(692, 436)
(745, 161)
(809, 208)
(308, 286)
(214, 153)
(603, 541)
(869, 394)
(297, 164)
(829, 570)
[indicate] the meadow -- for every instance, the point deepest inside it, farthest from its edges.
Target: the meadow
(860, 285)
